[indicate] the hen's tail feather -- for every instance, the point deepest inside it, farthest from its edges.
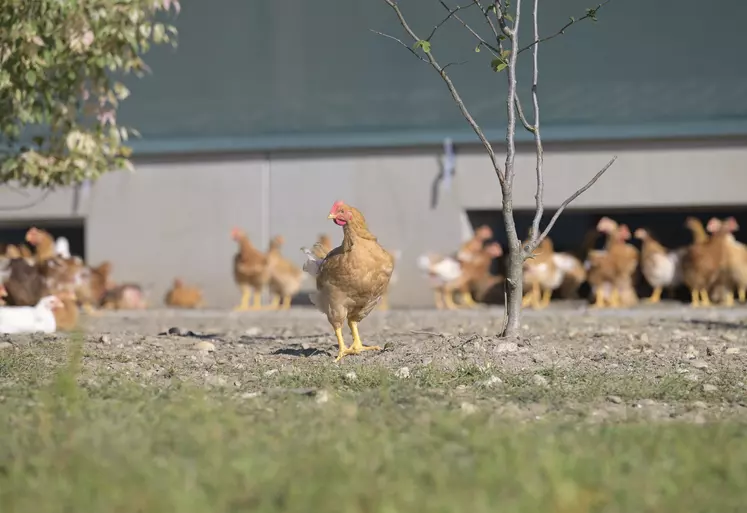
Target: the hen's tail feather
(312, 263)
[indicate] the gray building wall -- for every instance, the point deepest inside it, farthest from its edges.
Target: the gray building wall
(172, 217)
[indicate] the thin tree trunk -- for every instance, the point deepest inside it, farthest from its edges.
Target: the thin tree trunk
(514, 272)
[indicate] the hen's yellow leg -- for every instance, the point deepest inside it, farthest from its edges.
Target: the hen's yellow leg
(275, 302)
(704, 299)
(449, 300)
(528, 298)
(742, 294)
(467, 299)
(546, 296)
(655, 295)
(599, 302)
(729, 298)
(615, 299)
(358, 346)
(246, 294)
(286, 302)
(694, 298)
(257, 303)
(536, 295)
(341, 343)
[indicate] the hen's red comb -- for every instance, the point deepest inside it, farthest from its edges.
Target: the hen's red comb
(336, 205)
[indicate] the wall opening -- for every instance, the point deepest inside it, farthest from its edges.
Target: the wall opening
(571, 230)
(14, 232)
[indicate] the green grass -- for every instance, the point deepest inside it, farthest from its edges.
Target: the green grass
(380, 444)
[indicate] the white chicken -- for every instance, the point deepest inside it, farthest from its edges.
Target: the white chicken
(442, 273)
(62, 247)
(30, 319)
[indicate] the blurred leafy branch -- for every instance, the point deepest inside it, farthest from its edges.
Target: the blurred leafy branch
(61, 66)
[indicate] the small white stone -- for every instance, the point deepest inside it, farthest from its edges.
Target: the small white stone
(350, 377)
(271, 372)
(732, 350)
(468, 408)
(402, 373)
(492, 380)
(540, 380)
(322, 396)
(205, 346)
(707, 387)
(506, 347)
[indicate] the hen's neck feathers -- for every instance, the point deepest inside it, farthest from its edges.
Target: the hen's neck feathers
(355, 229)
(246, 247)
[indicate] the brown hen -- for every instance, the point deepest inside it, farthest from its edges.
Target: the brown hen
(250, 271)
(285, 276)
(350, 279)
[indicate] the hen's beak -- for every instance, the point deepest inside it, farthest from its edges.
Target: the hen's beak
(331, 216)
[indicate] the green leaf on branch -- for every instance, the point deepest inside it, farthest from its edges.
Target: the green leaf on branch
(425, 45)
(31, 77)
(498, 65)
(477, 49)
(509, 17)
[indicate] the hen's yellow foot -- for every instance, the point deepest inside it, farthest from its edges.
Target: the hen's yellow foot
(694, 299)
(599, 302)
(246, 295)
(704, 299)
(467, 300)
(655, 296)
(357, 346)
(742, 295)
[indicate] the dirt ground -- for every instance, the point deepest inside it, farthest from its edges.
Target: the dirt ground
(666, 360)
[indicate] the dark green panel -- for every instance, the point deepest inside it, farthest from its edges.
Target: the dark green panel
(263, 74)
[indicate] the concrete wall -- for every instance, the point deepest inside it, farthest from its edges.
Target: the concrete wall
(173, 216)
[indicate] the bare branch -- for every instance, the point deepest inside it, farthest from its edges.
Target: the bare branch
(454, 64)
(539, 195)
(452, 89)
(529, 248)
(522, 117)
(590, 14)
(511, 100)
(479, 38)
(487, 18)
(400, 42)
(501, 18)
(452, 12)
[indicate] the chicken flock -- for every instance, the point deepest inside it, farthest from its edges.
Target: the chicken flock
(712, 268)
(43, 287)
